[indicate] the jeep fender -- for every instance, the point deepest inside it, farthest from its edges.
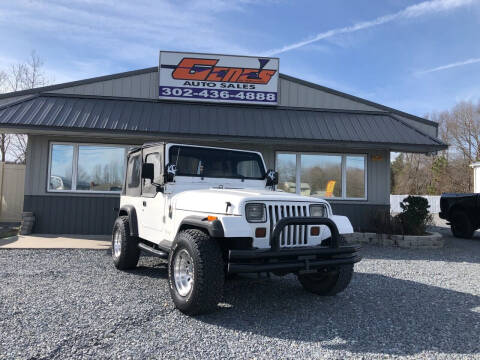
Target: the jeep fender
(343, 224)
(129, 210)
(213, 228)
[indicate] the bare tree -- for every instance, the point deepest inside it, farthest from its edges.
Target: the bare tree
(21, 76)
(3, 80)
(5, 141)
(18, 147)
(464, 127)
(14, 78)
(27, 75)
(33, 74)
(448, 170)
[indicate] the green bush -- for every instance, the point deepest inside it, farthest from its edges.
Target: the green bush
(415, 215)
(413, 219)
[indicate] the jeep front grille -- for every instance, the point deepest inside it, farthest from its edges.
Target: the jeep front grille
(293, 235)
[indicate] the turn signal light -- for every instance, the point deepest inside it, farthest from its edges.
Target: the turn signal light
(260, 232)
(314, 231)
(211, 218)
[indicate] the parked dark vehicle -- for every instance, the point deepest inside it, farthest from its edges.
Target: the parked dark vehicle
(462, 212)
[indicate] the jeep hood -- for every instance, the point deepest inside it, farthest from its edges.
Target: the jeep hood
(215, 200)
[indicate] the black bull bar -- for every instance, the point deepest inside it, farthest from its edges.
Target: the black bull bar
(294, 259)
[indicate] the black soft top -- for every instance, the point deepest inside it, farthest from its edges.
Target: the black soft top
(146, 145)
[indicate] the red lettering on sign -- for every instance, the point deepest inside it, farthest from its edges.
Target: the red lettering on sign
(205, 69)
(253, 76)
(193, 69)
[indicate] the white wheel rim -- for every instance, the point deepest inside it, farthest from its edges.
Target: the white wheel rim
(183, 272)
(117, 243)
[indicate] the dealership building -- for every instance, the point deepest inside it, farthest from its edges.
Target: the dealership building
(323, 142)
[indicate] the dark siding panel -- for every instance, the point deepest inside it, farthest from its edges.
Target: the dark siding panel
(63, 208)
(95, 215)
(72, 214)
(360, 215)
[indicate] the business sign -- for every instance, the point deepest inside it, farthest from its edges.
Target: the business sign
(218, 78)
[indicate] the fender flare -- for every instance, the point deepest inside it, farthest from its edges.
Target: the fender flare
(130, 211)
(214, 228)
(343, 224)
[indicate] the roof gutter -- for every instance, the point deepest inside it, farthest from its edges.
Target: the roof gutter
(279, 142)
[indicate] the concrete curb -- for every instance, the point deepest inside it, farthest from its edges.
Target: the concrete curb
(55, 242)
(433, 240)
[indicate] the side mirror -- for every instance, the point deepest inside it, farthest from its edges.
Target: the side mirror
(170, 172)
(272, 178)
(148, 172)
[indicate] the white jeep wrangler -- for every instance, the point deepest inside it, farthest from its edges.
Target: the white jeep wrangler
(214, 212)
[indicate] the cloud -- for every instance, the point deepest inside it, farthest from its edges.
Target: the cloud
(449, 66)
(116, 35)
(413, 11)
(114, 27)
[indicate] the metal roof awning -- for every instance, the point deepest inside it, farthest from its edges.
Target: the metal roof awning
(52, 112)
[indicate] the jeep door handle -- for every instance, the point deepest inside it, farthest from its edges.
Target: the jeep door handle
(144, 203)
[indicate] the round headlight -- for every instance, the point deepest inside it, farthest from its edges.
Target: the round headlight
(318, 211)
(255, 212)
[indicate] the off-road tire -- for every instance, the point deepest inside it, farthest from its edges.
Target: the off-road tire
(129, 251)
(208, 272)
(328, 281)
(461, 225)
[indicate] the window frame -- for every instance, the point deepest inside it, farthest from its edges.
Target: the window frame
(76, 146)
(145, 153)
(137, 190)
(298, 172)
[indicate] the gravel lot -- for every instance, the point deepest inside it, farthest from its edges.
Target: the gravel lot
(401, 303)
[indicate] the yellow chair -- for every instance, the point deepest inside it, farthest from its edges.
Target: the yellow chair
(330, 188)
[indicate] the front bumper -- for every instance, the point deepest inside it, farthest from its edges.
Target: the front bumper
(296, 259)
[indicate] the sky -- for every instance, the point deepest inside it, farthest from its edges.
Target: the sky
(416, 56)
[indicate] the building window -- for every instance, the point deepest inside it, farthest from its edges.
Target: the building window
(336, 176)
(287, 172)
(61, 170)
(86, 168)
(355, 174)
(321, 175)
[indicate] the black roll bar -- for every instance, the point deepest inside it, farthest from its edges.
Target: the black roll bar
(287, 221)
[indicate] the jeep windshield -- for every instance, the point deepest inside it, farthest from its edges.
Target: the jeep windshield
(216, 163)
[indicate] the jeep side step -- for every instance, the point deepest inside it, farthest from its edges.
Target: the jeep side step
(152, 250)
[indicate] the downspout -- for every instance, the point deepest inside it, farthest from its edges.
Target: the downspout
(1, 189)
